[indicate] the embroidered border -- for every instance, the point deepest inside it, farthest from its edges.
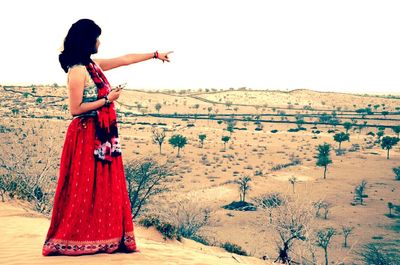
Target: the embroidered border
(73, 247)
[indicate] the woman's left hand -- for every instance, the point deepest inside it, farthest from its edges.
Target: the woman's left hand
(164, 56)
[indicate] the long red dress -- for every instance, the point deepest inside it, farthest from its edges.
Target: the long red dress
(92, 211)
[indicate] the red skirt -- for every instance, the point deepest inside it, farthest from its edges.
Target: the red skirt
(92, 211)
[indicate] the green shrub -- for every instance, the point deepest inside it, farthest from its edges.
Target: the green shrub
(233, 248)
(200, 239)
(396, 171)
(167, 230)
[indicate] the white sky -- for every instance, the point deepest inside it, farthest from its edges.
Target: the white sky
(348, 46)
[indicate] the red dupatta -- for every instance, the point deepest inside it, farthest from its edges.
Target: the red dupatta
(107, 142)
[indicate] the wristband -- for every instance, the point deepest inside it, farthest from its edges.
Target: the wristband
(108, 102)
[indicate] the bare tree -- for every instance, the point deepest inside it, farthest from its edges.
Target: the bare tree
(158, 136)
(346, 231)
(268, 202)
(146, 178)
(326, 206)
(324, 237)
(186, 212)
(318, 205)
(359, 192)
(244, 186)
(158, 107)
(293, 221)
(28, 163)
(293, 181)
(202, 137)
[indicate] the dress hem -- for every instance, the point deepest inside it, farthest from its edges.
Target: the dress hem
(54, 246)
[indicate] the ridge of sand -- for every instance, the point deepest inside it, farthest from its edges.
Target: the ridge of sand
(23, 233)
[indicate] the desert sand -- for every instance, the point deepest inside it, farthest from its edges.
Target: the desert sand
(207, 173)
(23, 232)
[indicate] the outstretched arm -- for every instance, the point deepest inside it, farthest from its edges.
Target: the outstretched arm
(107, 64)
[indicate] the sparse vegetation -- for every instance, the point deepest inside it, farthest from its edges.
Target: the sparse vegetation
(179, 141)
(323, 159)
(145, 179)
(359, 192)
(324, 237)
(265, 150)
(388, 143)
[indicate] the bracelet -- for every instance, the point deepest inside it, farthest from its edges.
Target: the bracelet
(155, 55)
(108, 102)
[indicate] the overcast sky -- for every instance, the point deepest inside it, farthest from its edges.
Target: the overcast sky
(347, 46)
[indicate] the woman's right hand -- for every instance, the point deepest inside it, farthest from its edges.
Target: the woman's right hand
(114, 94)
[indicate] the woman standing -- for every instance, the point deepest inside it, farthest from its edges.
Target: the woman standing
(92, 210)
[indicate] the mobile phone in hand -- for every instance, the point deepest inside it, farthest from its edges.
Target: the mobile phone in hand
(120, 86)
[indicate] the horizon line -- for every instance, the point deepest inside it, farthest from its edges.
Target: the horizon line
(241, 88)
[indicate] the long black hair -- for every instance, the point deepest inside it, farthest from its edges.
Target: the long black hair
(79, 43)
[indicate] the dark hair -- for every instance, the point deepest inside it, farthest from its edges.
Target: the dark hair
(79, 43)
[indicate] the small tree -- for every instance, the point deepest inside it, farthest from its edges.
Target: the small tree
(318, 205)
(145, 178)
(299, 120)
(293, 181)
(158, 137)
(228, 104)
(15, 111)
(196, 106)
(341, 137)
(324, 237)
(225, 139)
(323, 159)
(65, 108)
(359, 192)
(244, 186)
(390, 206)
(346, 230)
(230, 126)
(322, 204)
(268, 202)
(396, 129)
(189, 214)
(326, 206)
(293, 221)
(158, 107)
(202, 137)
(396, 171)
(209, 109)
(347, 125)
(388, 142)
(179, 141)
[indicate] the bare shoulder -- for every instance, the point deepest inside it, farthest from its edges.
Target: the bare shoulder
(76, 74)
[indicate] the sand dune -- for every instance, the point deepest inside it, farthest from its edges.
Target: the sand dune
(23, 232)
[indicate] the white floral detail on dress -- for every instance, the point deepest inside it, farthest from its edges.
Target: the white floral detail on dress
(107, 149)
(115, 146)
(103, 150)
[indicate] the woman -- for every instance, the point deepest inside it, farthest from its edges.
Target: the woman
(92, 210)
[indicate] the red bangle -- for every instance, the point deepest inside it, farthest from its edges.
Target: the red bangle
(155, 56)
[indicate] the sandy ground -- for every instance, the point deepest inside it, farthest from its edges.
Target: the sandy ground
(23, 232)
(208, 172)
